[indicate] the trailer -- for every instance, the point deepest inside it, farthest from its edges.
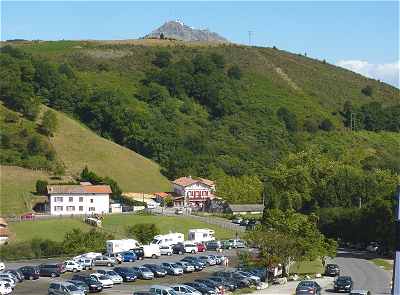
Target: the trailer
(201, 235)
(117, 246)
(168, 239)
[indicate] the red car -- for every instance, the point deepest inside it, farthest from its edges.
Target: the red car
(201, 247)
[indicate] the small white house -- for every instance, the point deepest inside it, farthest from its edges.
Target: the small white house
(79, 199)
(201, 235)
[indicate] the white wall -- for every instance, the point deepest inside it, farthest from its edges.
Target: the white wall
(100, 203)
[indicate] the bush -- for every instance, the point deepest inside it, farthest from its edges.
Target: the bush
(143, 232)
(49, 123)
(235, 73)
(41, 187)
(162, 59)
(310, 126)
(326, 125)
(168, 201)
(367, 90)
(288, 118)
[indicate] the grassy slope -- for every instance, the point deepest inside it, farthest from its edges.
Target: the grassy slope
(77, 146)
(115, 224)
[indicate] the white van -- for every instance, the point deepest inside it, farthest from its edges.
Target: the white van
(190, 247)
(151, 251)
(168, 239)
(118, 246)
(201, 235)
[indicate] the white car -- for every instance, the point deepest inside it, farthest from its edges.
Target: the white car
(185, 290)
(6, 275)
(104, 280)
(115, 277)
(190, 248)
(10, 281)
(166, 250)
(73, 266)
(2, 266)
(5, 288)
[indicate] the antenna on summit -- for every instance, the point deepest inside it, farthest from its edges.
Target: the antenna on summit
(250, 35)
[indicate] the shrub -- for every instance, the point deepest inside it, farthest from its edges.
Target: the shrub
(41, 187)
(143, 232)
(367, 90)
(326, 125)
(310, 126)
(234, 72)
(49, 123)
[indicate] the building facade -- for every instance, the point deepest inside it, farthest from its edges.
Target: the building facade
(191, 192)
(83, 199)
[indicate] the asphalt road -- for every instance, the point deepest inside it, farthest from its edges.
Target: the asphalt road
(364, 273)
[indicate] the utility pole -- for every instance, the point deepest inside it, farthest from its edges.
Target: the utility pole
(250, 35)
(396, 265)
(352, 121)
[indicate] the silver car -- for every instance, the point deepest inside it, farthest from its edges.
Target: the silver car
(186, 266)
(104, 261)
(185, 290)
(62, 288)
(116, 278)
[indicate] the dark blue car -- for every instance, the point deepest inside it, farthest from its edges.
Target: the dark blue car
(127, 274)
(128, 256)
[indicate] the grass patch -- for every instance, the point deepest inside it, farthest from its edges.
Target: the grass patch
(243, 291)
(382, 263)
(56, 228)
(307, 267)
(77, 147)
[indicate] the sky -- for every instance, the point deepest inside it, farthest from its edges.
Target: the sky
(362, 36)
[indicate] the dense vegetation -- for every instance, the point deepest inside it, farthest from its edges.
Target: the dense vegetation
(305, 134)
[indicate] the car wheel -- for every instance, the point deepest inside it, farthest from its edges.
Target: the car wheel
(169, 254)
(53, 275)
(30, 278)
(180, 252)
(154, 256)
(230, 248)
(130, 260)
(193, 251)
(109, 264)
(74, 270)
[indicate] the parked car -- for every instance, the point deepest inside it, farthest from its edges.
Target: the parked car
(308, 287)
(244, 222)
(104, 261)
(166, 250)
(157, 270)
(212, 284)
(5, 288)
(203, 289)
(360, 292)
(208, 260)
(229, 284)
(186, 266)
(178, 249)
(218, 259)
(114, 276)
(128, 256)
(190, 247)
(142, 293)
(30, 272)
(201, 247)
(18, 274)
(237, 220)
(179, 211)
(86, 263)
(64, 288)
(161, 290)
(214, 246)
(143, 272)
(116, 256)
(372, 247)
(241, 280)
(343, 283)
(9, 281)
(332, 270)
(127, 274)
(139, 253)
(104, 280)
(253, 278)
(5, 275)
(93, 284)
(185, 290)
(51, 270)
(196, 262)
(172, 269)
(71, 265)
(80, 285)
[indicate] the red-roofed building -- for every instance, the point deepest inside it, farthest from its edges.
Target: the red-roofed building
(193, 192)
(79, 199)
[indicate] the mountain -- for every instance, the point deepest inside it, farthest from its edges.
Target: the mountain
(179, 30)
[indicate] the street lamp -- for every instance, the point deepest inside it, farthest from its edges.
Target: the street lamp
(396, 265)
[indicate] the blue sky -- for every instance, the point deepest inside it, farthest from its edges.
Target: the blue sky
(362, 36)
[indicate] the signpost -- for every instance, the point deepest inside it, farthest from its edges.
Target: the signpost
(396, 266)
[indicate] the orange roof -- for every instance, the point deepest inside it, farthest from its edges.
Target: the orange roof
(186, 181)
(162, 194)
(3, 232)
(3, 221)
(79, 189)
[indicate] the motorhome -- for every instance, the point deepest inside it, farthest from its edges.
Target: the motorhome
(201, 235)
(168, 239)
(117, 246)
(151, 251)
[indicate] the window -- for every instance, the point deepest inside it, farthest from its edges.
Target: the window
(71, 199)
(58, 208)
(80, 199)
(58, 199)
(91, 200)
(80, 208)
(92, 209)
(70, 208)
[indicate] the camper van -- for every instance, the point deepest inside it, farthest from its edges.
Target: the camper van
(168, 239)
(151, 251)
(117, 246)
(201, 235)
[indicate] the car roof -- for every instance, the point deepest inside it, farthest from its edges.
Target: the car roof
(359, 292)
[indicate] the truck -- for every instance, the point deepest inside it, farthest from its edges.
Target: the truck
(117, 246)
(201, 235)
(168, 239)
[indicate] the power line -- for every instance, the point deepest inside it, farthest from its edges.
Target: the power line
(250, 35)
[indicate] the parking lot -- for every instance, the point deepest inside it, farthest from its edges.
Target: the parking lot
(40, 286)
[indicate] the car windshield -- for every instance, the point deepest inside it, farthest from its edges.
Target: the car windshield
(343, 279)
(174, 265)
(111, 273)
(103, 277)
(306, 284)
(71, 288)
(91, 280)
(191, 289)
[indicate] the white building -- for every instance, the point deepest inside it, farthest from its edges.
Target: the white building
(79, 199)
(192, 192)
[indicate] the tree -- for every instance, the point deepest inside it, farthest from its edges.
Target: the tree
(288, 118)
(235, 72)
(367, 90)
(326, 125)
(168, 201)
(162, 59)
(143, 232)
(49, 123)
(310, 126)
(41, 187)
